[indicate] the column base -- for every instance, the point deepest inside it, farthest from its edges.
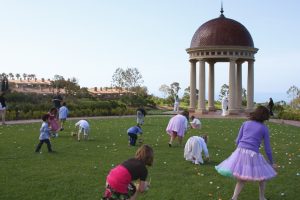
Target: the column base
(201, 111)
(191, 109)
(233, 111)
(211, 108)
(249, 110)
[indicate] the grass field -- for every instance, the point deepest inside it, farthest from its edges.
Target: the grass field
(77, 170)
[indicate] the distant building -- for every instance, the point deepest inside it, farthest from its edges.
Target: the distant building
(108, 93)
(43, 86)
(32, 86)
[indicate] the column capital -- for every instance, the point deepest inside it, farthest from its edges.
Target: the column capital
(233, 59)
(211, 62)
(193, 61)
(239, 62)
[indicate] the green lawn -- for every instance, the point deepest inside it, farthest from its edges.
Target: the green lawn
(78, 169)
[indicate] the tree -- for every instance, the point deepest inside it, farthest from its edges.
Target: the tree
(117, 78)
(141, 91)
(170, 91)
(244, 94)
(71, 86)
(3, 75)
(58, 82)
(129, 78)
(4, 84)
(224, 91)
(186, 95)
(293, 92)
(18, 76)
(24, 76)
(164, 89)
(174, 89)
(133, 77)
(11, 75)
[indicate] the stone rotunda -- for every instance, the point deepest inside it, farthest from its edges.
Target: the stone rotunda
(221, 40)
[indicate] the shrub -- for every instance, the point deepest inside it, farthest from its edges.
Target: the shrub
(289, 115)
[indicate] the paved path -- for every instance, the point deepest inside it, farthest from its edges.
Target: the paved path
(215, 115)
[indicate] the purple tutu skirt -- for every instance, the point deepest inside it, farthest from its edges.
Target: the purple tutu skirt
(248, 165)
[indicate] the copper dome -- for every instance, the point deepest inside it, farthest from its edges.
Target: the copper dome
(222, 31)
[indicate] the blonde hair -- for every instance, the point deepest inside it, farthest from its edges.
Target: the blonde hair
(145, 154)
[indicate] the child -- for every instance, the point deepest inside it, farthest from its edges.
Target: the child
(119, 180)
(246, 163)
(194, 147)
(54, 126)
(44, 134)
(132, 133)
(62, 115)
(83, 127)
(177, 127)
(195, 124)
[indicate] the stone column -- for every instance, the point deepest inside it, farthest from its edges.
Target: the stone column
(239, 88)
(211, 87)
(193, 85)
(201, 100)
(232, 87)
(250, 86)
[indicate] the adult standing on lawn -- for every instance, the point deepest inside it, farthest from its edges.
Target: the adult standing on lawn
(246, 163)
(177, 127)
(270, 106)
(57, 100)
(2, 107)
(140, 115)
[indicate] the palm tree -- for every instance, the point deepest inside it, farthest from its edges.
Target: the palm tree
(24, 76)
(18, 76)
(11, 75)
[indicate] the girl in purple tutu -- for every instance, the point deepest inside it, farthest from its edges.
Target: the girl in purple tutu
(246, 163)
(177, 127)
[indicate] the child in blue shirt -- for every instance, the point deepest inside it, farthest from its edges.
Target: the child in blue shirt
(132, 133)
(62, 115)
(44, 134)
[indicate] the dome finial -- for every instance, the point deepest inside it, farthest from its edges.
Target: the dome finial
(222, 11)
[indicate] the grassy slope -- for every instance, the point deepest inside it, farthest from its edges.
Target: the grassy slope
(78, 169)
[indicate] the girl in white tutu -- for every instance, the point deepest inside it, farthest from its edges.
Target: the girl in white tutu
(246, 163)
(194, 147)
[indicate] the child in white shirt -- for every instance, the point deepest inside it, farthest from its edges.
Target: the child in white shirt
(83, 127)
(196, 124)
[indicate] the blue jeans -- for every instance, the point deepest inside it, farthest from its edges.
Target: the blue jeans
(132, 138)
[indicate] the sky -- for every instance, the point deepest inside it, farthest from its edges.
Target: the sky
(90, 39)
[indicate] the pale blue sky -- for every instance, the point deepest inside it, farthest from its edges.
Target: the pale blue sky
(90, 39)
